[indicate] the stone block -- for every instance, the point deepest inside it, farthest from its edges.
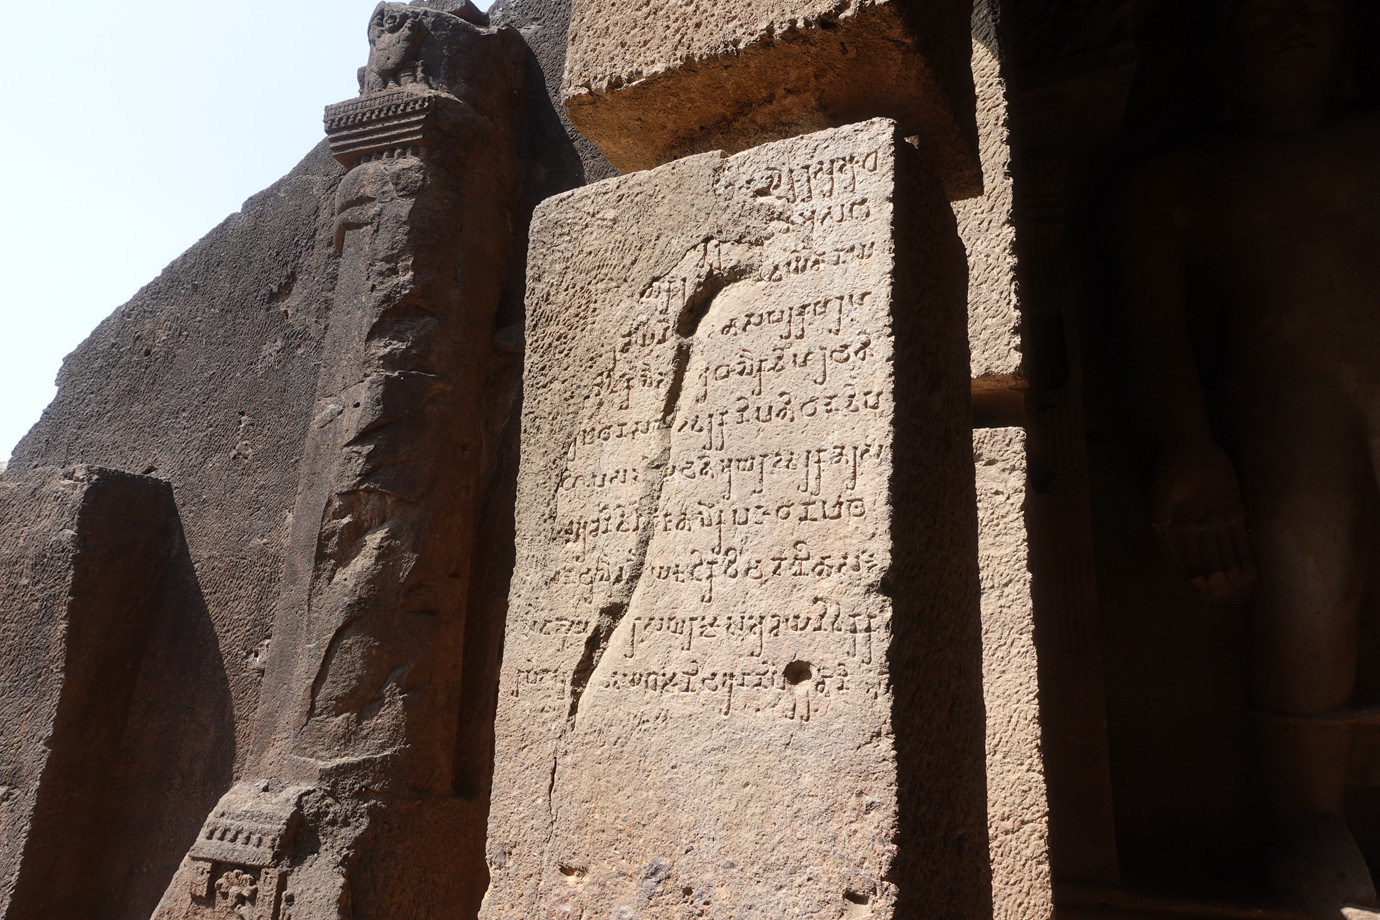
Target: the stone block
(1017, 808)
(651, 80)
(102, 726)
(741, 673)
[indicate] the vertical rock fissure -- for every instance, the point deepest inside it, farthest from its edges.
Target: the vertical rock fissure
(695, 308)
(612, 613)
(595, 643)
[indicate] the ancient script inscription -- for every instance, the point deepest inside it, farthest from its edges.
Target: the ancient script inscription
(709, 425)
(730, 479)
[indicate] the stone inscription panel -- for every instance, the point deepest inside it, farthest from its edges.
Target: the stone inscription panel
(695, 701)
(759, 497)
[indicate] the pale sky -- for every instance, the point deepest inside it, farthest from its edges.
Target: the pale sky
(132, 131)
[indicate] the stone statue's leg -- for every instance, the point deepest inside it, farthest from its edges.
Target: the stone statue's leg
(1306, 473)
(1305, 467)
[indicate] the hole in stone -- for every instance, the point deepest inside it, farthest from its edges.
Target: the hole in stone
(797, 672)
(687, 892)
(855, 897)
(886, 587)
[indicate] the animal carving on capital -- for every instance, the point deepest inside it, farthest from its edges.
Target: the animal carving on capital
(395, 43)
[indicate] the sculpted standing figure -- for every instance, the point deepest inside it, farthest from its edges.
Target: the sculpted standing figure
(1278, 218)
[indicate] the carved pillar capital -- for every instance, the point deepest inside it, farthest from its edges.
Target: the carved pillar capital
(436, 80)
(403, 121)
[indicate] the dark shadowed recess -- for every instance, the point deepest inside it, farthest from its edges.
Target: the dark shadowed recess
(935, 659)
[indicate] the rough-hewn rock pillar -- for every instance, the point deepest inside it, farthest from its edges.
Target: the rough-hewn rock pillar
(109, 697)
(742, 666)
(1017, 809)
(348, 809)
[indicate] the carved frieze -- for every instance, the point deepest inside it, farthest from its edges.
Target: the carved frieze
(235, 861)
(397, 121)
(435, 79)
(249, 833)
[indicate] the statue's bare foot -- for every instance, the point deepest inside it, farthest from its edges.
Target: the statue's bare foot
(1318, 864)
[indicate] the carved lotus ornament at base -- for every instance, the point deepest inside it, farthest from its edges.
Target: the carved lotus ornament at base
(236, 894)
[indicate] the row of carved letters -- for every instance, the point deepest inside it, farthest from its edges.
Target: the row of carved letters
(825, 616)
(852, 457)
(624, 380)
(816, 260)
(627, 519)
(750, 630)
(791, 182)
(758, 688)
(693, 679)
(819, 218)
(704, 570)
(752, 679)
(668, 296)
(783, 407)
(794, 320)
(816, 360)
(846, 459)
(658, 329)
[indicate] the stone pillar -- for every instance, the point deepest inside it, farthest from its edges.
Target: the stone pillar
(1017, 802)
(742, 664)
(1074, 65)
(987, 225)
(651, 80)
(348, 809)
(1017, 811)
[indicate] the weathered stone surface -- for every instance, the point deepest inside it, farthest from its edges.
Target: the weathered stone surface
(986, 223)
(206, 379)
(209, 378)
(108, 705)
(651, 80)
(1017, 810)
(461, 9)
(556, 157)
(742, 665)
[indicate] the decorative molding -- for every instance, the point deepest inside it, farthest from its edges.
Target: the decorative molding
(393, 122)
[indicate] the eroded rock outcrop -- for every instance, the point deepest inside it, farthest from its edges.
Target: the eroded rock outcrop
(112, 693)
